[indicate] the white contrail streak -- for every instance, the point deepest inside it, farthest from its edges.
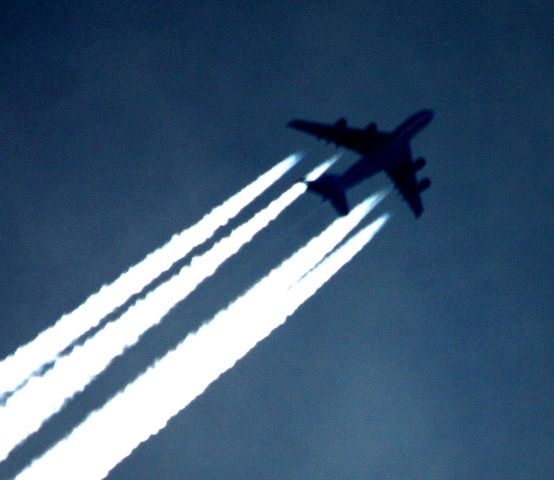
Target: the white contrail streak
(30, 358)
(145, 406)
(317, 277)
(23, 415)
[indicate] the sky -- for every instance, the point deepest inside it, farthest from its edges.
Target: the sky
(430, 356)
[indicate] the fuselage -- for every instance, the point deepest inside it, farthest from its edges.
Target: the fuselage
(412, 125)
(377, 156)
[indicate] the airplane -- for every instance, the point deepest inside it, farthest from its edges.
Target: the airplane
(381, 151)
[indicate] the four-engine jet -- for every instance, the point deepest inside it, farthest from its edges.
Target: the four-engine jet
(381, 151)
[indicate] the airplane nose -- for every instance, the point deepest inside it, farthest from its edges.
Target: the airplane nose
(428, 114)
(423, 117)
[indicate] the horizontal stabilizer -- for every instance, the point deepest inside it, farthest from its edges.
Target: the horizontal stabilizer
(328, 186)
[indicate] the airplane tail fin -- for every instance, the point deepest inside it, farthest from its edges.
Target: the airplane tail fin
(329, 188)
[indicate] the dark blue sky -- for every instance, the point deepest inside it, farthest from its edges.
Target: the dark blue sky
(428, 357)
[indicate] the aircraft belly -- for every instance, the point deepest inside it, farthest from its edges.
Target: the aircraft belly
(362, 169)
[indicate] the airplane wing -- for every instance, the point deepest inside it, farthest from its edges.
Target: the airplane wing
(360, 140)
(403, 175)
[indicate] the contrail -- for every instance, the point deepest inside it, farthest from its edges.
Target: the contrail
(145, 406)
(23, 415)
(32, 357)
(317, 277)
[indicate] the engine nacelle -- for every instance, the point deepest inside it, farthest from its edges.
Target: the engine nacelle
(341, 123)
(419, 164)
(371, 128)
(424, 184)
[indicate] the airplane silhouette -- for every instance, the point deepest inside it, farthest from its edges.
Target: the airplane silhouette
(381, 151)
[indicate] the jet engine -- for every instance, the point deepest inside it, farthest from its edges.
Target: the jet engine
(419, 164)
(424, 184)
(341, 123)
(371, 128)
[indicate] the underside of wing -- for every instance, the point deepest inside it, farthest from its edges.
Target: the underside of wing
(336, 133)
(363, 141)
(403, 174)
